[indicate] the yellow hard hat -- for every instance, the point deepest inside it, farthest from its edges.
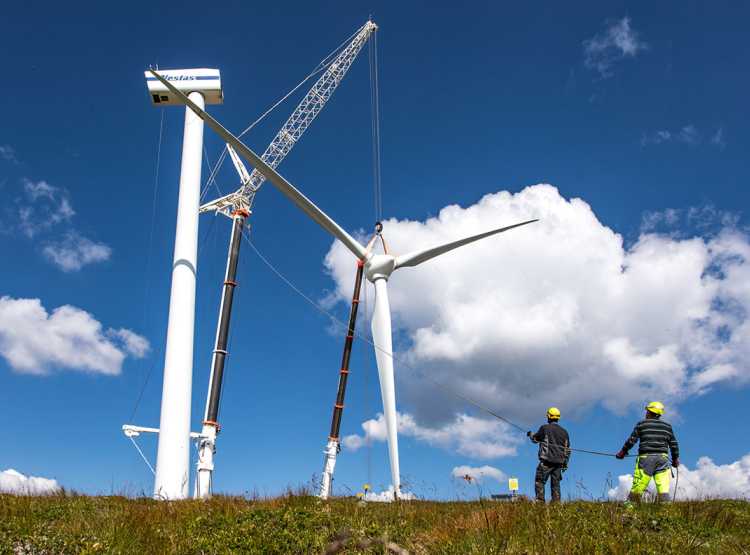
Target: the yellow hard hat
(553, 413)
(657, 407)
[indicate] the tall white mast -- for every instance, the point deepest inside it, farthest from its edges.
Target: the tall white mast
(172, 478)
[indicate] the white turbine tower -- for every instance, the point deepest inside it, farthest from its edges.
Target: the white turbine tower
(378, 268)
(173, 454)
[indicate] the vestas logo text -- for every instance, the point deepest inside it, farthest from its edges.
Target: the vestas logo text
(179, 77)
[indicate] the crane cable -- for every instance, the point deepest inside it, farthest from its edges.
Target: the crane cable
(402, 362)
(372, 47)
(147, 292)
(375, 115)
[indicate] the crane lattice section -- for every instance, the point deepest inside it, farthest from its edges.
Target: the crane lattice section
(296, 125)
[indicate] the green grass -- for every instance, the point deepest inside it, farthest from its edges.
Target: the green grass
(302, 524)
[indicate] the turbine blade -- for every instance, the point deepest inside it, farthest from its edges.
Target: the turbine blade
(417, 257)
(381, 335)
(276, 179)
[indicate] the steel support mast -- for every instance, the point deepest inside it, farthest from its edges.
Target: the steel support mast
(211, 428)
(333, 447)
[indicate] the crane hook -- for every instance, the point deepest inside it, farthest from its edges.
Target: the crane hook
(378, 227)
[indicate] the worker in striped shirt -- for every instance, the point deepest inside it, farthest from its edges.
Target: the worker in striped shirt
(657, 442)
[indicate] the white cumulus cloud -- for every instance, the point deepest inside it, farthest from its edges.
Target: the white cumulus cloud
(688, 134)
(8, 153)
(34, 341)
(468, 435)
(137, 345)
(16, 483)
(707, 481)
(74, 251)
(616, 42)
(43, 207)
(478, 473)
(386, 496)
(717, 139)
(558, 313)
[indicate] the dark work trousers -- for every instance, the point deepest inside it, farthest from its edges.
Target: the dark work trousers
(545, 471)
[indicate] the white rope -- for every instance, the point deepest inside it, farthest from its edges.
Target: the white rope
(151, 468)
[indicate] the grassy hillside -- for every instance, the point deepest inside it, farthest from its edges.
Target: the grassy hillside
(301, 524)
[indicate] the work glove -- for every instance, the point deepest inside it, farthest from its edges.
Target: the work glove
(621, 454)
(676, 462)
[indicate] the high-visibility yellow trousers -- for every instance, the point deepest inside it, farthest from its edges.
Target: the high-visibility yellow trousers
(641, 480)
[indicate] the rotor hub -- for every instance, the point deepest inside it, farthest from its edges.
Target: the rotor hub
(380, 266)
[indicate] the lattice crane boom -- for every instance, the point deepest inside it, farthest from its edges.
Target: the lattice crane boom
(293, 129)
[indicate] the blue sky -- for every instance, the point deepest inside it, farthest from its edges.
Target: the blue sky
(641, 112)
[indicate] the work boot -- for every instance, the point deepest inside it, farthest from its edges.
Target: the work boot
(663, 498)
(634, 498)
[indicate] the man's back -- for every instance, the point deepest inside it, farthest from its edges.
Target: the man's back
(554, 443)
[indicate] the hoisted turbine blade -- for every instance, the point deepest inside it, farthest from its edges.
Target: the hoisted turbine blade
(289, 190)
(381, 335)
(238, 165)
(417, 257)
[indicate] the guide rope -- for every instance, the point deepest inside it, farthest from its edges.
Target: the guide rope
(147, 291)
(402, 362)
(148, 464)
(153, 214)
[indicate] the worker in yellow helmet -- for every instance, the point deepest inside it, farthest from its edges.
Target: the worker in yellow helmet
(554, 454)
(657, 441)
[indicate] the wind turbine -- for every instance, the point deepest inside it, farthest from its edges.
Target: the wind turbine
(377, 267)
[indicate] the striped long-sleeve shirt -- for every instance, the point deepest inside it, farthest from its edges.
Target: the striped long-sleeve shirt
(655, 436)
